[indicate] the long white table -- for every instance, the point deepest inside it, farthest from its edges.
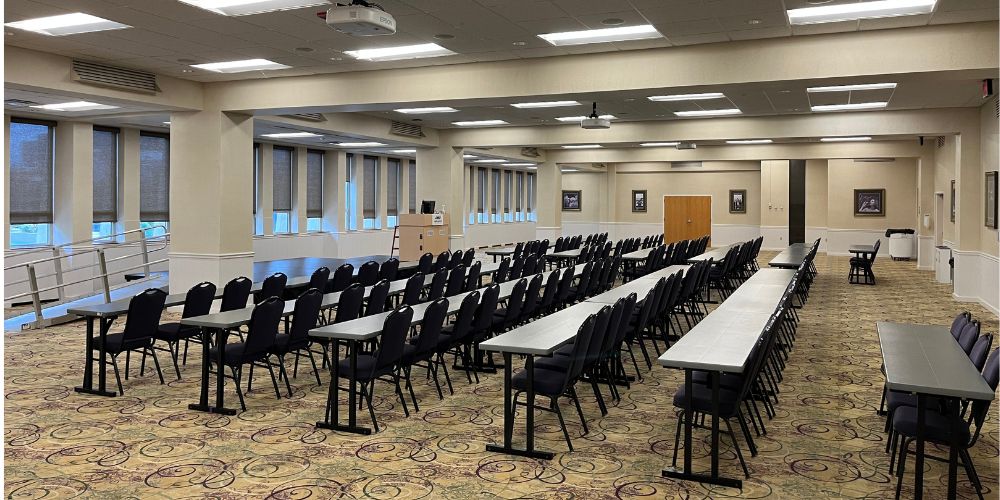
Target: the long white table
(640, 286)
(716, 254)
(638, 255)
(791, 257)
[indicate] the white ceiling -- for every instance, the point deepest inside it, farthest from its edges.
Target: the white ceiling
(167, 35)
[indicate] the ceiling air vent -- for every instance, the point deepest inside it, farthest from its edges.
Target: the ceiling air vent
(18, 103)
(685, 164)
(940, 142)
(873, 160)
(405, 129)
(102, 75)
(530, 152)
(310, 117)
(996, 107)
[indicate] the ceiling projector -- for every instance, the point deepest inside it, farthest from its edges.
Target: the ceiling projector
(594, 121)
(360, 18)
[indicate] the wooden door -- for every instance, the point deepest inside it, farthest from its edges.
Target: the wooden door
(686, 217)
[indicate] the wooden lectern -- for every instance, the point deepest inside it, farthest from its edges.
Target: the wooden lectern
(422, 233)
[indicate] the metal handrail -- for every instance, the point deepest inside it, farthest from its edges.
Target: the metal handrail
(113, 236)
(83, 251)
(84, 280)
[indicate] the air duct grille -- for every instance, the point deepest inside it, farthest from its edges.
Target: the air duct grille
(18, 103)
(406, 129)
(530, 152)
(685, 164)
(311, 117)
(996, 107)
(874, 160)
(940, 142)
(102, 75)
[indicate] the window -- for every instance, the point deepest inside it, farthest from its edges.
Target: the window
(31, 170)
(351, 195)
(413, 186)
(370, 195)
(154, 182)
(282, 188)
(314, 190)
(508, 188)
(483, 176)
(257, 228)
(393, 191)
(105, 177)
(471, 172)
(495, 199)
(532, 216)
(519, 198)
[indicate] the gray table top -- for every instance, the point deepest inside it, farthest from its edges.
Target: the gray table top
(717, 254)
(722, 341)
(565, 254)
(790, 257)
(926, 359)
(120, 306)
(861, 249)
(665, 272)
(640, 287)
(500, 251)
(640, 254)
(230, 319)
(544, 335)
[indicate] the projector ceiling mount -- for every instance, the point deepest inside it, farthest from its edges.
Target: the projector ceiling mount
(594, 121)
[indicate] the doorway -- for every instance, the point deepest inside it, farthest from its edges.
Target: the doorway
(686, 217)
(938, 219)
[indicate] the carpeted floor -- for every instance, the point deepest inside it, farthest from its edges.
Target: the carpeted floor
(825, 442)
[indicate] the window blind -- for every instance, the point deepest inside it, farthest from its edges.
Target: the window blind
(256, 171)
(520, 192)
(472, 189)
(154, 177)
(314, 183)
(482, 190)
(508, 182)
(282, 170)
(105, 174)
(413, 186)
(31, 170)
(531, 193)
(392, 187)
(370, 200)
(495, 199)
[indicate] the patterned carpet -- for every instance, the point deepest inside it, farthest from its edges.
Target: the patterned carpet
(826, 441)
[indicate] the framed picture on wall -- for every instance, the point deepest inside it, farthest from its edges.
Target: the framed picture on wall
(991, 199)
(638, 200)
(737, 201)
(952, 216)
(571, 201)
(869, 202)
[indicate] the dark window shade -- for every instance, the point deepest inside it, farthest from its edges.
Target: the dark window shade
(495, 199)
(314, 183)
(413, 186)
(282, 169)
(256, 171)
(482, 189)
(154, 177)
(392, 187)
(472, 189)
(31, 171)
(370, 201)
(520, 192)
(508, 183)
(531, 192)
(105, 175)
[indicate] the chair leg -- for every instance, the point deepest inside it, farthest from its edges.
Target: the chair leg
(432, 369)
(127, 355)
(444, 366)
(409, 385)
(597, 393)
(576, 401)
(736, 446)
(399, 392)
(970, 470)
(270, 369)
(237, 376)
(313, 361)
(174, 349)
(156, 362)
(250, 379)
(562, 423)
(677, 436)
(283, 373)
(114, 364)
(904, 444)
(367, 395)
(186, 342)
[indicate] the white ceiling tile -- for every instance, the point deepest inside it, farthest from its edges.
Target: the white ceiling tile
(583, 7)
(819, 29)
(528, 11)
(698, 39)
(764, 20)
(687, 28)
(964, 16)
(754, 34)
(894, 22)
(630, 18)
(542, 26)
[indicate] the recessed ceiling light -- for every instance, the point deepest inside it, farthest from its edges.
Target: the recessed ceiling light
(74, 106)
(860, 10)
(490, 160)
(67, 24)
(404, 151)
(687, 97)
(569, 170)
(848, 88)
(240, 66)
(336, 58)
(290, 135)
(845, 139)
(519, 44)
(444, 36)
(750, 141)
(244, 7)
(358, 144)
(658, 144)
(544, 104)
(582, 146)
(479, 123)
(613, 21)
(620, 34)
(166, 123)
(419, 111)
(850, 107)
(708, 112)
(403, 52)
(187, 70)
(578, 118)
(753, 22)
(519, 164)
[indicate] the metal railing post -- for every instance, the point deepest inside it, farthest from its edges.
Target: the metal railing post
(56, 253)
(145, 252)
(35, 299)
(104, 274)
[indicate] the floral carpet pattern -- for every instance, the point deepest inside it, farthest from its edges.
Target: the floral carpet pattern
(826, 440)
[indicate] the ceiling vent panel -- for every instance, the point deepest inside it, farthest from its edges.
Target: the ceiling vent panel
(406, 129)
(874, 160)
(310, 117)
(530, 152)
(102, 75)
(940, 142)
(18, 103)
(685, 164)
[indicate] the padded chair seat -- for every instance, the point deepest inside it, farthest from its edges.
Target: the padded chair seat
(556, 363)
(858, 260)
(937, 427)
(547, 382)
(701, 400)
(365, 364)
(233, 354)
(281, 345)
(726, 381)
(897, 399)
(172, 332)
(114, 343)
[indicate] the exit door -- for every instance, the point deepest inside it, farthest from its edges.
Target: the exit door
(686, 217)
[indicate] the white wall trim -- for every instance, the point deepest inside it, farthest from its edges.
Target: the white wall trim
(976, 278)
(211, 256)
(925, 253)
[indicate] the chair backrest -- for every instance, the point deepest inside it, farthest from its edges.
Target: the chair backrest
(597, 339)
(959, 322)
(342, 277)
(472, 276)
(305, 317)
(518, 248)
(235, 294)
(430, 327)
(543, 248)
(979, 351)
(991, 374)
(878, 243)
(969, 334)
(456, 259)
(530, 265)
(468, 257)
(349, 305)
(456, 281)
(389, 269)
(438, 283)
(516, 302)
(484, 313)
(414, 286)
(549, 294)
(368, 273)
(596, 276)
(531, 297)
(198, 300)
(394, 330)
(377, 298)
(680, 252)
(558, 244)
(578, 356)
(319, 278)
(516, 267)
(565, 284)
(501, 273)
(614, 322)
(426, 263)
(462, 327)
(144, 311)
(273, 286)
(642, 320)
(442, 261)
(263, 327)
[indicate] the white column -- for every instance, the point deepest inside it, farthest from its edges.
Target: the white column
(382, 188)
(440, 178)
(404, 182)
(265, 190)
(299, 214)
(334, 191)
(549, 198)
(6, 182)
(74, 182)
(128, 181)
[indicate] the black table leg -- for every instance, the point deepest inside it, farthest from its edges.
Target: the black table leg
(332, 417)
(952, 413)
(206, 360)
(508, 421)
(918, 471)
(88, 374)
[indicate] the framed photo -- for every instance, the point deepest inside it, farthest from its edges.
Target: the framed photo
(571, 201)
(991, 199)
(869, 202)
(952, 216)
(737, 201)
(638, 200)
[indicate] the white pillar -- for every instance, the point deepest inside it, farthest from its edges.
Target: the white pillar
(382, 188)
(74, 182)
(6, 182)
(440, 178)
(265, 190)
(128, 181)
(297, 224)
(549, 198)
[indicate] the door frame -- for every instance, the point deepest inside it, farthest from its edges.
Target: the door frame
(711, 201)
(939, 210)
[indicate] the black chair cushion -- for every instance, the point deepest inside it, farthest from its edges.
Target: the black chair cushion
(172, 332)
(556, 363)
(726, 381)
(701, 400)
(365, 364)
(546, 382)
(936, 426)
(114, 343)
(233, 354)
(281, 344)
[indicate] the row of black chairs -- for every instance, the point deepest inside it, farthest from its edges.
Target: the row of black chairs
(538, 248)
(564, 243)
(445, 260)
(736, 267)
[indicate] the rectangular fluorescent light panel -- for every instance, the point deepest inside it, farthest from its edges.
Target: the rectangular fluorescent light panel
(848, 88)
(245, 7)
(850, 107)
(860, 10)
(582, 146)
(544, 104)
(240, 66)
(74, 106)
(845, 139)
(403, 52)
(404, 151)
(619, 34)
(290, 135)
(578, 118)
(686, 97)
(750, 141)
(708, 112)
(490, 160)
(479, 123)
(359, 144)
(469, 156)
(519, 164)
(421, 111)
(658, 144)
(67, 24)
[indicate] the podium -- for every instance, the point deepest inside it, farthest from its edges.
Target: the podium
(422, 233)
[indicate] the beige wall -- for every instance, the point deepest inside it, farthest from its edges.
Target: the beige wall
(944, 173)
(817, 190)
(774, 193)
(592, 196)
(989, 143)
(714, 183)
(898, 178)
